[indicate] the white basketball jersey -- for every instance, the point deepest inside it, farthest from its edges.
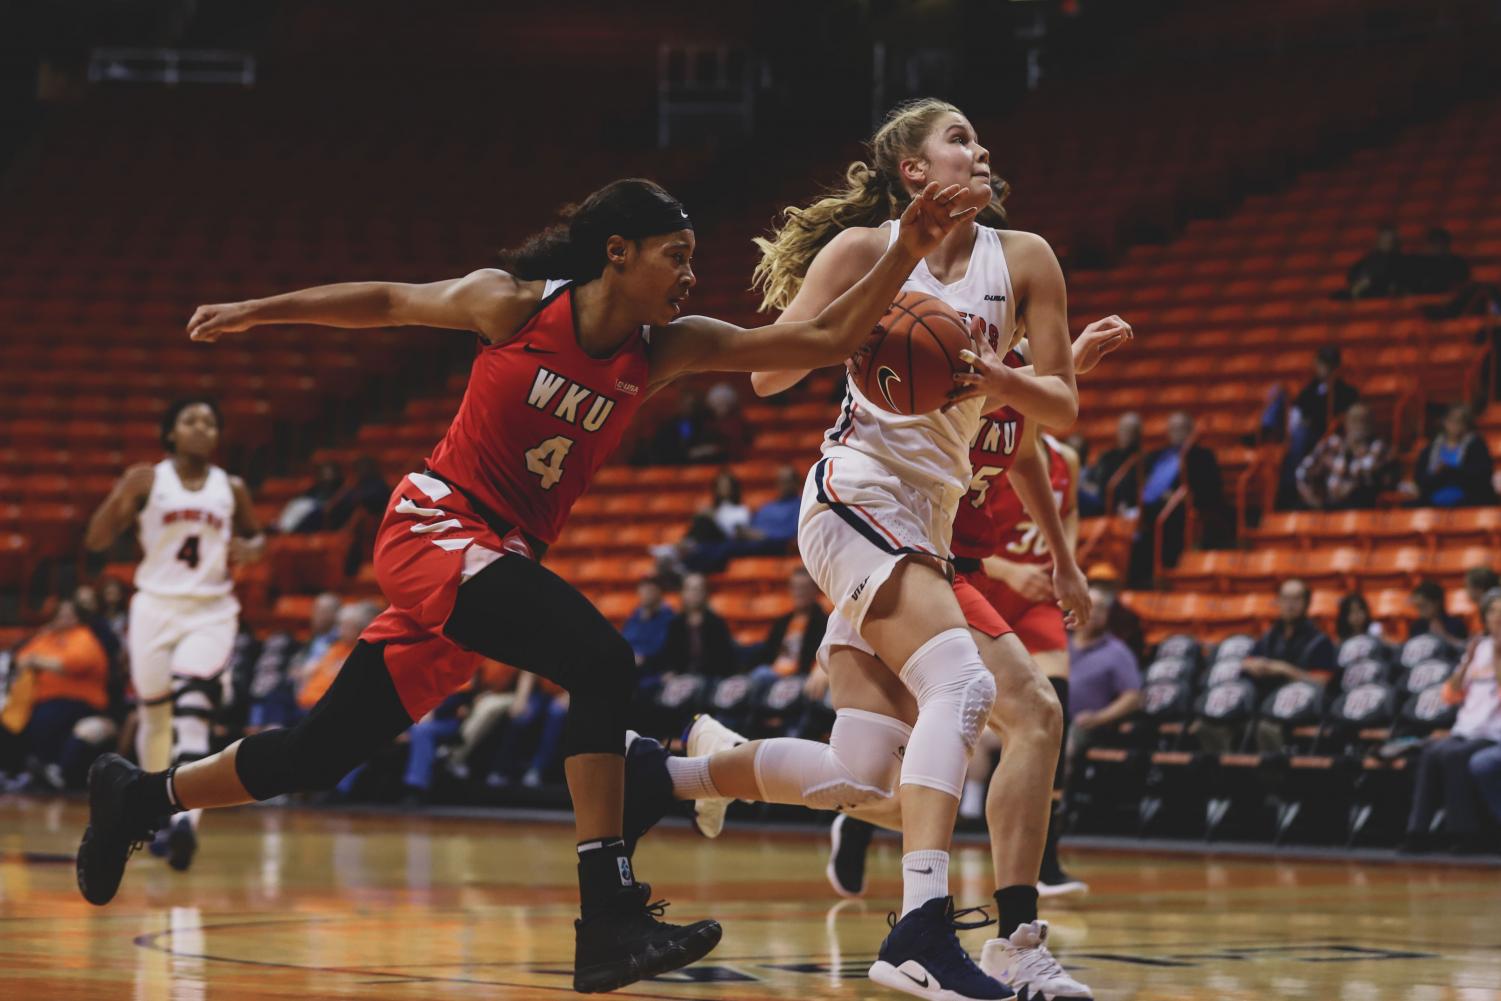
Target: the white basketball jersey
(931, 451)
(185, 535)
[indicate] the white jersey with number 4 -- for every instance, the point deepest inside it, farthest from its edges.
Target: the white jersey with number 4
(185, 535)
(932, 450)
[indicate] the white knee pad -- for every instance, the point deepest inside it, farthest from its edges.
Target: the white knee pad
(954, 693)
(858, 765)
(193, 711)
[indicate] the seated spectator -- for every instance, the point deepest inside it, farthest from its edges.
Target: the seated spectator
(1122, 623)
(698, 640)
(1428, 602)
(645, 629)
(455, 718)
(314, 676)
(60, 679)
(1293, 649)
(273, 690)
(1346, 469)
(538, 709)
(685, 439)
(1323, 398)
(1455, 468)
(1438, 269)
(369, 493)
(1479, 580)
(726, 433)
(773, 527)
(707, 544)
(1094, 481)
(1381, 272)
(1443, 775)
(1104, 677)
(792, 642)
(305, 512)
(1163, 471)
(1354, 618)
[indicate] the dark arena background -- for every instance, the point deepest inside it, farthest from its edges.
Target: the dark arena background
(1283, 778)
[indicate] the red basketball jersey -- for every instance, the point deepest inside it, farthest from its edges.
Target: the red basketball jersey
(539, 418)
(991, 452)
(1020, 539)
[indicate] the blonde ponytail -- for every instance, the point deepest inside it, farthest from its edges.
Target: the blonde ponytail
(871, 195)
(867, 199)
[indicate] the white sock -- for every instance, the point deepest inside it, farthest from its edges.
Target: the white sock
(691, 779)
(925, 875)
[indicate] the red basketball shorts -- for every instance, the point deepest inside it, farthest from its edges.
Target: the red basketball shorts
(1038, 624)
(429, 542)
(979, 612)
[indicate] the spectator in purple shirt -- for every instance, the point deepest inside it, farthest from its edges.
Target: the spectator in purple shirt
(1104, 678)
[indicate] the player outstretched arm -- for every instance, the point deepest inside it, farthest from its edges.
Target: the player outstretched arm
(699, 343)
(115, 513)
(1034, 487)
(837, 268)
(489, 302)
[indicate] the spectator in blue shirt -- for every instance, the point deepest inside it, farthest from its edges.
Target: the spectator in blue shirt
(646, 628)
(773, 526)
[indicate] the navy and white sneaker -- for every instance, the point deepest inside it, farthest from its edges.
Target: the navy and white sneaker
(922, 956)
(648, 788)
(704, 737)
(182, 843)
(849, 840)
(1024, 960)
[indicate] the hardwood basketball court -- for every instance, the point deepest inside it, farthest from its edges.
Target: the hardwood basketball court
(314, 904)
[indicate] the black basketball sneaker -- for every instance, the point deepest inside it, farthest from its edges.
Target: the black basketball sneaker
(627, 942)
(114, 833)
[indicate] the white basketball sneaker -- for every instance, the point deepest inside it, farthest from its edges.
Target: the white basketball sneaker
(1064, 886)
(1024, 962)
(704, 736)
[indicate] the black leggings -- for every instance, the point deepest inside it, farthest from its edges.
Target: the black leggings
(514, 611)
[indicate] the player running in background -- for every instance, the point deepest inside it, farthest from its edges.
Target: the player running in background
(193, 520)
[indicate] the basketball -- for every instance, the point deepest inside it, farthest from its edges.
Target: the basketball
(908, 365)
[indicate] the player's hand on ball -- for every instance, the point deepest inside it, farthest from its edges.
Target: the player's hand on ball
(1072, 588)
(209, 323)
(931, 216)
(988, 370)
(1099, 339)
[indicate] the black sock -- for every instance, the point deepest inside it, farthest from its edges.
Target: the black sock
(151, 800)
(604, 871)
(1017, 906)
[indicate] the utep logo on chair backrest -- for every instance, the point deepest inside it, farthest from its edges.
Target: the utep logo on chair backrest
(1425, 647)
(1161, 697)
(1427, 674)
(731, 691)
(1364, 701)
(784, 692)
(1294, 699)
(1431, 704)
(1172, 669)
(1223, 672)
(1234, 648)
(1224, 700)
(1362, 672)
(1360, 648)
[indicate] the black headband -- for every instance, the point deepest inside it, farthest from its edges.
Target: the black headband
(650, 216)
